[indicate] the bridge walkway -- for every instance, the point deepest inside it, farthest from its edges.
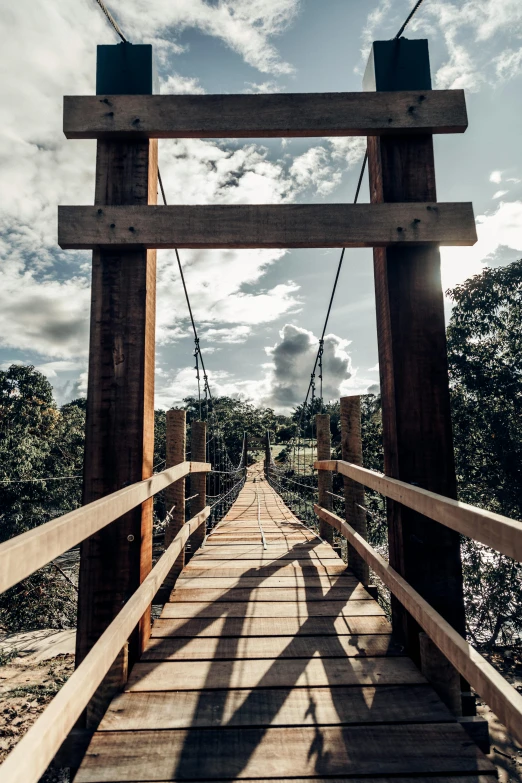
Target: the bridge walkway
(271, 662)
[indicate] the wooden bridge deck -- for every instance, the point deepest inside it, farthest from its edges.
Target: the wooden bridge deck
(270, 662)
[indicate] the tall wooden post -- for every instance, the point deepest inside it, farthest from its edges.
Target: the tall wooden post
(412, 353)
(198, 481)
(175, 493)
(119, 439)
(324, 451)
(351, 450)
(244, 455)
(268, 454)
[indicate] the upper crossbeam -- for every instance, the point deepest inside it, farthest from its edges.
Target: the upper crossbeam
(258, 116)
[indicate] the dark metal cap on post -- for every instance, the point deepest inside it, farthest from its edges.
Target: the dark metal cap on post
(399, 64)
(126, 69)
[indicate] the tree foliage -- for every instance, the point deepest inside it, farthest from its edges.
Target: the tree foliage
(485, 362)
(38, 443)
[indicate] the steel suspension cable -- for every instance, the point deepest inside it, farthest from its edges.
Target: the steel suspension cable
(111, 20)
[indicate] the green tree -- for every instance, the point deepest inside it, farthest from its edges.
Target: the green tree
(39, 446)
(485, 362)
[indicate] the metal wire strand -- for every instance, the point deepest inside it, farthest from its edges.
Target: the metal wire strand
(111, 20)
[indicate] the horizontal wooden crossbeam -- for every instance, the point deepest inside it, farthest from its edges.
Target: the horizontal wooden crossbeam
(266, 226)
(279, 115)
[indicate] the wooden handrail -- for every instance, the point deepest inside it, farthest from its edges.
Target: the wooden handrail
(503, 699)
(494, 530)
(33, 754)
(24, 554)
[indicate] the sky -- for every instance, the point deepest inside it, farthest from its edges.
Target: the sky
(259, 312)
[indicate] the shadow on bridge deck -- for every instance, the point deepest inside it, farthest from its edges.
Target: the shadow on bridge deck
(274, 663)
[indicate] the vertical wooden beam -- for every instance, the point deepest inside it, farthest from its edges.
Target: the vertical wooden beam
(244, 455)
(324, 451)
(413, 365)
(268, 454)
(175, 493)
(119, 439)
(198, 481)
(351, 450)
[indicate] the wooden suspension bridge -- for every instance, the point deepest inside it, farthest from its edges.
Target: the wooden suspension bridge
(271, 659)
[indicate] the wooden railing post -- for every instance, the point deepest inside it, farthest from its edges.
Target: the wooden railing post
(324, 479)
(418, 446)
(119, 438)
(351, 448)
(268, 454)
(198, 481)
(244, 455)
(175, 493)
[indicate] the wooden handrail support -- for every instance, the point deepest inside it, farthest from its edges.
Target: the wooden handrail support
(24, 554)
(503, 699)
(494, 530)
(31, 757)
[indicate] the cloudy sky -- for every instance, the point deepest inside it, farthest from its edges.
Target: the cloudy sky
(258, 312)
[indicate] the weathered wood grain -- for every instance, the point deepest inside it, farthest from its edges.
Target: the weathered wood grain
(270, 594)
(264, 116)
(297, 707)
(326, 608)
(253, 647)
(273, 626)
(266, 226)
(239, 753)
(266, 673)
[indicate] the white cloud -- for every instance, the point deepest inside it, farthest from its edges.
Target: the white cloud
(508, 64)
(264, 87)
(176, 84)
(499, 194)
(230, 334)
(245, 26)
(292, 359)
(471, 30)
(496, 177)
(496, 231)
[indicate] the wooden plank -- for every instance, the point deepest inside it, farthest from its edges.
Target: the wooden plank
(266, 226)
(269, 594)
(494, 530)
(266, 673)
(411, 331)
(327, 608)
(285, 570)
(262, 626)
(348, 706)
(22, 555)
(211, 563)
(32, 755)
(503, 699)
(264, 116)
(274, 753)
(323, 581)
(253, 647)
